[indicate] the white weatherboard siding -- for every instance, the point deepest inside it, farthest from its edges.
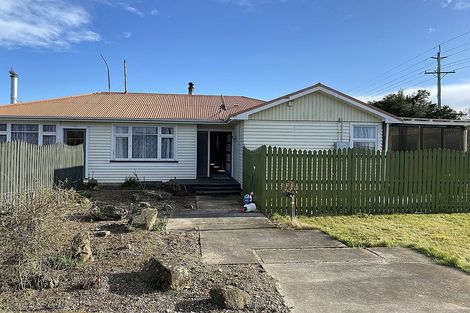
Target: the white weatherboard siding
(315, 107)
(238, 151)
(297, 134)
(101, 167)
(304, 135)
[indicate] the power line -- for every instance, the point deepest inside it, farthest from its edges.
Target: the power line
(379, 79)
(398, 79)
(396, 85)
(396, 67)
(421, 82)
(457, 62)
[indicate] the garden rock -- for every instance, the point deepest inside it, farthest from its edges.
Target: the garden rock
(107, 213)
(147, 218)
(101, 233)
(81, 248)
(158, 195)
(144, 205)
(230, 297)
(165, 275)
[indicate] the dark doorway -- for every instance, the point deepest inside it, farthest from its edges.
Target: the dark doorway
(75, 137)
(214, 154)
(220, 154)
(202, 153)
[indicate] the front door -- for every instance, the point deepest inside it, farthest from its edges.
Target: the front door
(214, 154)
(220, 154)
(75, 137)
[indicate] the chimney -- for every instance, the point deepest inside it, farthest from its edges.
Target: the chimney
(14, 87)
(190, 88)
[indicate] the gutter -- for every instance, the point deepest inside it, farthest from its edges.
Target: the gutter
(125, 120)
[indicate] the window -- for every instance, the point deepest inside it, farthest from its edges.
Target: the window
(168, 137)
(25, 132)
(49, 134)
(121, 142)
(144, 143)
(364, 136)
(3, 132)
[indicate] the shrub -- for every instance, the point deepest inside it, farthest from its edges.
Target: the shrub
(34, 236)
(173, 187)
(133, 182)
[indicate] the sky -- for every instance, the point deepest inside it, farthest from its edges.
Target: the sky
(257, 48)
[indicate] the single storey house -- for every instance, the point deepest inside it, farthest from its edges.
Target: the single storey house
(186, 136)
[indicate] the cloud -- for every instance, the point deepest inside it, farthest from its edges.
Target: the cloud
(431, 30)
(127, 34)
(154, 12)
(132, 9)
(43, 24)
(454, 95)
(456, 4)
(249, 4)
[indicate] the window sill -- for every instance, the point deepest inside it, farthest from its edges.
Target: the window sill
(143, 161)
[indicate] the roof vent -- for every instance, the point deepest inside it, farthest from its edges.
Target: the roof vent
(190, 88)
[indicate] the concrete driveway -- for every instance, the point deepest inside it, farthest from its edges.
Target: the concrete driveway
(319, 274)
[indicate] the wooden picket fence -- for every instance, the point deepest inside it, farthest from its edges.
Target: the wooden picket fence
(357, 181)
(25, 167)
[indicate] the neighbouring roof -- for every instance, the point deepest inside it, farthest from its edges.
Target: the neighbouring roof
(132, 106)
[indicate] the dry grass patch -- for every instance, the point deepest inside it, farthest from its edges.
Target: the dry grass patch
(34, 237)
(445, 237)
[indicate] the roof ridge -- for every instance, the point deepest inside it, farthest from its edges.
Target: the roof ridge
(171, 94)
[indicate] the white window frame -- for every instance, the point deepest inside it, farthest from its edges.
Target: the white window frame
(43, 133)
(40, 131)
(159, 142)
(4, 132)
(375, 140)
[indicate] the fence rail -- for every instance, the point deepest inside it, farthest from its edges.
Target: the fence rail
(355, 181)
(25, 167)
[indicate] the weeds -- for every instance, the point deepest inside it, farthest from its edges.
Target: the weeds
(134, 182)
(33, 237)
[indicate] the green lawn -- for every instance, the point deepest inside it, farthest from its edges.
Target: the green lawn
(446, 237)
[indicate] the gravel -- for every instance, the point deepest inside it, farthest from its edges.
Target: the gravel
(112, 282)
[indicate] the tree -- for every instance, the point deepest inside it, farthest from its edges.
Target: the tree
(415, 105)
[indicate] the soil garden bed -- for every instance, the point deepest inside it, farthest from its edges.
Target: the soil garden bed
(112, 282)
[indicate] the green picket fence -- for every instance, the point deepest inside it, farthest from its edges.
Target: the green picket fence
(25, 167)
(356, 181)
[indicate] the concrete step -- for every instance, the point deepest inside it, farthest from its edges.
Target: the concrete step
(219, 192)
(222, 187)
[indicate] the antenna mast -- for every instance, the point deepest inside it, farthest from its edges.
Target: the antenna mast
(125, 77)
(109, 78)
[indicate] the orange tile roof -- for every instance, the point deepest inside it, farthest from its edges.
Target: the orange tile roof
(132, 106)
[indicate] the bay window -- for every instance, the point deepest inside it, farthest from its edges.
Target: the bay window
(364, 136)
(144, 143)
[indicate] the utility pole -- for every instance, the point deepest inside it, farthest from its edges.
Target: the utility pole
(439, 75)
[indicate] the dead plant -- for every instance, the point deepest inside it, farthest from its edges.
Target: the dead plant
(34, 236)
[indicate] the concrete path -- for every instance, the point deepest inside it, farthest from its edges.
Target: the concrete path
(319, 274)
